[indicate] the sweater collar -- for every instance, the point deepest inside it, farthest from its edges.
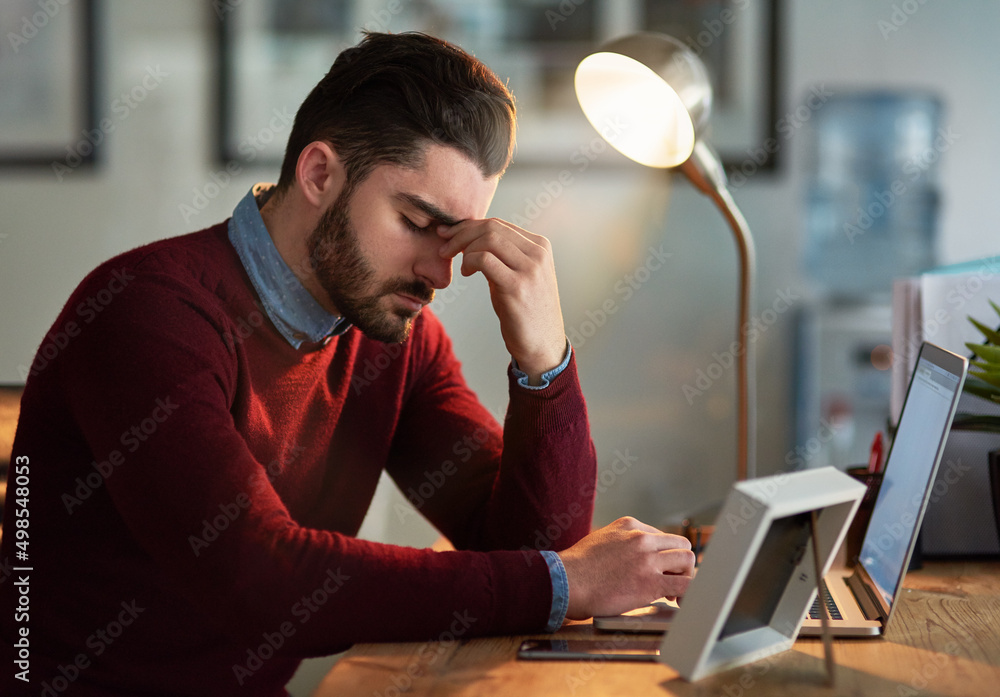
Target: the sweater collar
(292, 309)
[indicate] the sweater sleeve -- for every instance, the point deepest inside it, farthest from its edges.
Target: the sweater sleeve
(155, 359)
(527, 486)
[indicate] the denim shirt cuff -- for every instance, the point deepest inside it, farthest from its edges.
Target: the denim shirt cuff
(560, 590)
(547, 377)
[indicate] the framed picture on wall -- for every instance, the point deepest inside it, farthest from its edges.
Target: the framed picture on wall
(272, 52)
(738, 42)
(47, 83)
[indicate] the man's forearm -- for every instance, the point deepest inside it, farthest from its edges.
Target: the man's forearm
(544, 493)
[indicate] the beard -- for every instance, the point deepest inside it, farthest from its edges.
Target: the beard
(348, 277)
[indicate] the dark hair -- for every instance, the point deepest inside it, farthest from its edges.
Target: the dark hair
(387, 98)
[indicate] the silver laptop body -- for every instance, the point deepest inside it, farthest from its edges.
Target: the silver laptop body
(867, 595)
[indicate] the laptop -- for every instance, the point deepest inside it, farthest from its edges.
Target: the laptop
(861, 602)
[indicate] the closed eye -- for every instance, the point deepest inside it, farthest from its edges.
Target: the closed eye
(413, 227)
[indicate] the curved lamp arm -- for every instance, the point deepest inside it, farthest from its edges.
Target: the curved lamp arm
(705, 172)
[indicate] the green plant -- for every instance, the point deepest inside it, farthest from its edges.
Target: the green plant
(984, 377)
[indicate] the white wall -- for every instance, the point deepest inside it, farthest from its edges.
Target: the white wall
(681, 455)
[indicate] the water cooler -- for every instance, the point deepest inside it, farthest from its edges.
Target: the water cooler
(870, 214)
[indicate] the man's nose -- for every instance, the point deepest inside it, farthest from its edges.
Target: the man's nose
(432, 267)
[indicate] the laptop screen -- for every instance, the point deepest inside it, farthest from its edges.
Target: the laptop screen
(924, 423)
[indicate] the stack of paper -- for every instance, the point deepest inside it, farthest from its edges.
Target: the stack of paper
(936, 307)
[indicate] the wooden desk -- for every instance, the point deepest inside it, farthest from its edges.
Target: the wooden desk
(945, 640)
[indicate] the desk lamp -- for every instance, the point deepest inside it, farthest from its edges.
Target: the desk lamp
(656, 93)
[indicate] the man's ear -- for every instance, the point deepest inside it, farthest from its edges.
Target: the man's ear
(320, 174)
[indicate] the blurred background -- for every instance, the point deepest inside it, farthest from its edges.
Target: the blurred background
(858, 136)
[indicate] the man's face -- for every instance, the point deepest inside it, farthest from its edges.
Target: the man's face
(375, 250)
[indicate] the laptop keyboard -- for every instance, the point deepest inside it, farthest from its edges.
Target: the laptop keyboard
(831, 606)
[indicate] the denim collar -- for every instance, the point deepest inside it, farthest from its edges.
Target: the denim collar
(292, 309)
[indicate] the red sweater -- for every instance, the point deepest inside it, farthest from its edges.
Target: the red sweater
(196, 484)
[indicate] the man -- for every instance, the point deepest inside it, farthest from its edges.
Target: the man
(203, 449)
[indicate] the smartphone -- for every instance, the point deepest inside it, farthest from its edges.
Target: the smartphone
(616, 649)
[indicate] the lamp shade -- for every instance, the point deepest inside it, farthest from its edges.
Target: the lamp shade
(648, 95)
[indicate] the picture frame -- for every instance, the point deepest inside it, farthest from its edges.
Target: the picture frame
(270, 53)
(759, 576)
(48, 79)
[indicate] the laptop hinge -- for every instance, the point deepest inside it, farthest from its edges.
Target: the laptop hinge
(865, 596)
